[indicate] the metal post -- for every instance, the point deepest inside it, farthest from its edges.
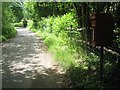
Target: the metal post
(101, 63)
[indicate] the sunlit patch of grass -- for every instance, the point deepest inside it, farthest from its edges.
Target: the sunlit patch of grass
(61, 52)
(65, 58)
(34, 30)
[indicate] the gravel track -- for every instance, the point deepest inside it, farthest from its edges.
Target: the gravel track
(27, 64)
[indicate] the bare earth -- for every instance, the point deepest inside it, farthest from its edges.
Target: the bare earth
(27, 64)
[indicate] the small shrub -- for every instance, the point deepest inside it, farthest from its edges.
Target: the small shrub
(2, 38)
(18, 24)
(8, 31)
(30, 24)
(50, 40)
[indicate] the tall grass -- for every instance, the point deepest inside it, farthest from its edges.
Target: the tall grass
(79, 66)
(8, 31)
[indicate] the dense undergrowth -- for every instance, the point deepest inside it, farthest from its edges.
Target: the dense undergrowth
(68, 49)
(8, 29)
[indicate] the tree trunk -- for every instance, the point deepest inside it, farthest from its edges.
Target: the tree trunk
(84, 5)
(79, 13)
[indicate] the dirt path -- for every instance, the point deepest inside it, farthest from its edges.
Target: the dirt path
(27, 64)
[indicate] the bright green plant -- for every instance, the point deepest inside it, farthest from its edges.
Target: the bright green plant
(67, 50)
(8, 29)
(18, 24)
(2, 38)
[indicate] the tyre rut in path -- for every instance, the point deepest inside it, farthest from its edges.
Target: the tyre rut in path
(27, 64)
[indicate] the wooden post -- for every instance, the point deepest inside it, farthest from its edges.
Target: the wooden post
(101, 63)
(70, 34)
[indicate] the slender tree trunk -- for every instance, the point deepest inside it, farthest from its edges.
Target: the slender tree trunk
(84, 5)
(78, 12)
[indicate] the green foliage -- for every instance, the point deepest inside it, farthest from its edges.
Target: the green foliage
(54, 32)
(8, 29)
(17, 10)
(64, 57)
(2, 38)
(50, 40)
(67, 51)
(20, 24)
(30, 24)
(29, 10)
(61, 23)
(34, 10)
(69, 47)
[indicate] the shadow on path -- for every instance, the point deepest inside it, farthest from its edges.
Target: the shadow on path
(27, 64)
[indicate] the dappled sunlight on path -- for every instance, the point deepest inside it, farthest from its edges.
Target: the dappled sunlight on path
(27, 64)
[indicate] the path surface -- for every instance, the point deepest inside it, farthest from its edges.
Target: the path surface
(27, 64)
